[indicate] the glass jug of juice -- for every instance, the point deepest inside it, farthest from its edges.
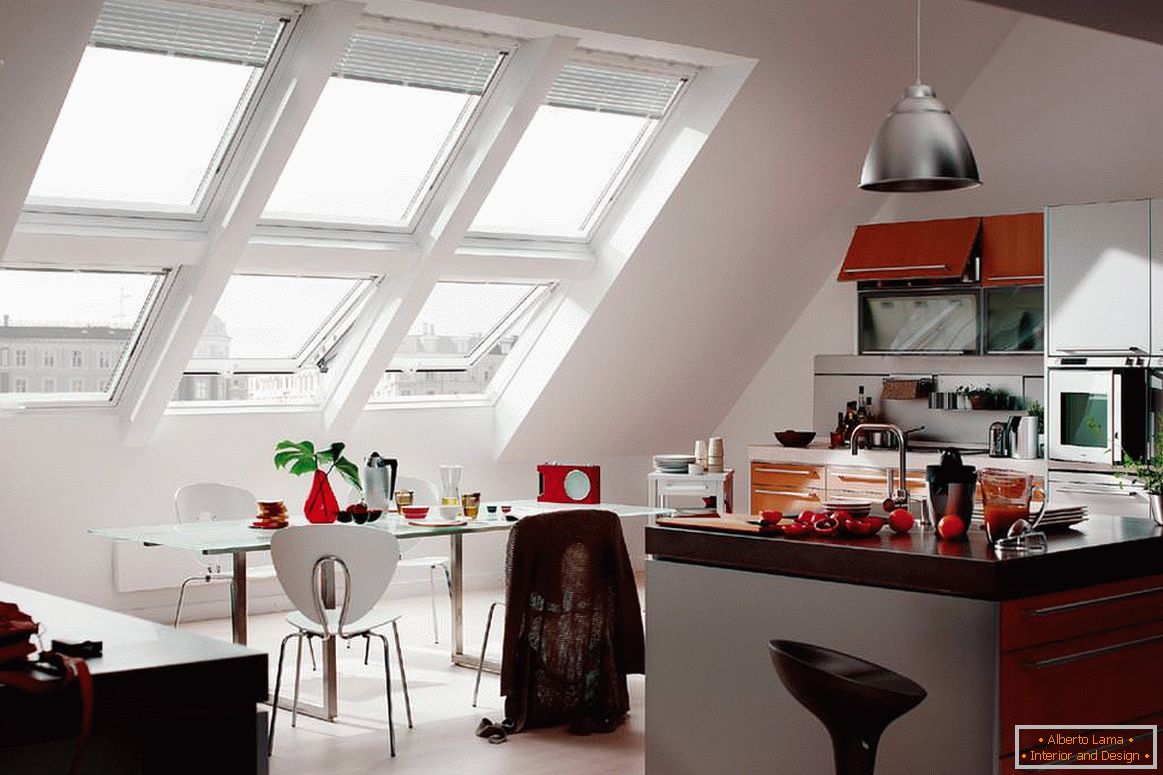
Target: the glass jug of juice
(1006, 497)
(450, 485)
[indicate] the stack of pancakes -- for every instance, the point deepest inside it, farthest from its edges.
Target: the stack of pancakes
(271, 514)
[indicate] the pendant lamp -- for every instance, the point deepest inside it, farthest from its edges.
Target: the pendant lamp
(919, 147)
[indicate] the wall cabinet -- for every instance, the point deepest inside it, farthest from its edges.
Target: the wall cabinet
(1098, 278)
(1157, 276)
(1012, 250)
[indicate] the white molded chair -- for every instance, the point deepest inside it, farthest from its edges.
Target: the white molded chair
(366, 559)
(426, 494)
(209, 502)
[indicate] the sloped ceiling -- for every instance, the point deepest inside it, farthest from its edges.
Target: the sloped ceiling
(1141, 19)
(759, 219)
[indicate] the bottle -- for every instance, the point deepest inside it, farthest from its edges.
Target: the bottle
(861, 409)
(849, 420)
(837, 438)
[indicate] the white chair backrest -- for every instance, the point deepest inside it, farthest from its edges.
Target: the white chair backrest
(207, 502)
(369, 554)
(425, 493)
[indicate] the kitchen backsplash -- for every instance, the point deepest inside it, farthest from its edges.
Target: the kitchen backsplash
(838, 378)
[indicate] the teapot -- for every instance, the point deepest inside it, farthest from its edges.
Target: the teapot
(379, 478)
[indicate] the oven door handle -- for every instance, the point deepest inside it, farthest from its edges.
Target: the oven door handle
(1115, 418)
(1087, 491)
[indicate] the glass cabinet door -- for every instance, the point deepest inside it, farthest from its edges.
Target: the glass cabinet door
(1014, 319)
(918, 323)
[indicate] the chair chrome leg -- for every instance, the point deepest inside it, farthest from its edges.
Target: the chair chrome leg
(298, 673)
(484, 645)
(311, 651)
(275, 698)
(367, 648)
(388, 686)
(432, 600)
(403, 675)
(182, 596)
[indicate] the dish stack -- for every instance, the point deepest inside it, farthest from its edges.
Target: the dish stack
(1055, 516)
(672, 464)
(271, 515)
(856, 507)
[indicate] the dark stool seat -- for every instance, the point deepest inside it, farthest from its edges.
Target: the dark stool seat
(856, 700)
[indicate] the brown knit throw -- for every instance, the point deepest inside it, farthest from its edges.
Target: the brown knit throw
(573, 624)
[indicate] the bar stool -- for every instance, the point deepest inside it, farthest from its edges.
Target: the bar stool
(855, 700)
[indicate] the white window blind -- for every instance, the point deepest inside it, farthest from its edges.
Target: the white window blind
(417, 63)
(584, 86)
(188, 31)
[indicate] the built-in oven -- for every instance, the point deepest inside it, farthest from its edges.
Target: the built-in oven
(1096, 415)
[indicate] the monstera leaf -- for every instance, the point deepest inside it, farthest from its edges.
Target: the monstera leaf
(301, 457)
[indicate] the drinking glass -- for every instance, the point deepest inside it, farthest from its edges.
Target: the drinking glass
(1006, 496)
(471, 503)
(450, 485)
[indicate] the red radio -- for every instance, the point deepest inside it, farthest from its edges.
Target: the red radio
(565, 483)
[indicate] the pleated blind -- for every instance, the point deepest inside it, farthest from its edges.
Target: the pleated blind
(189, 31)
(584, 86)
(417, 63)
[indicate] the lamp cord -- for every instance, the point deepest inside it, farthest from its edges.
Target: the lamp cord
(918, 42)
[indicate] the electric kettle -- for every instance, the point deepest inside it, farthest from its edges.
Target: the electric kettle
(379, 480)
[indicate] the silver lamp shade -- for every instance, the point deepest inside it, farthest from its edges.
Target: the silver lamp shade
(919, 147)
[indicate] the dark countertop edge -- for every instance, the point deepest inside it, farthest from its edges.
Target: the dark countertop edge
(953, 576)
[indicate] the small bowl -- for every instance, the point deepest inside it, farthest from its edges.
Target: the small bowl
(374, 514)
(506, 509)
(359, 517)
(343, 516)
(414, 512)
(795, 438)
(491, 509)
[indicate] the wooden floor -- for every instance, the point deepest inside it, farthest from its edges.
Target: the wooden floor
(442, 741)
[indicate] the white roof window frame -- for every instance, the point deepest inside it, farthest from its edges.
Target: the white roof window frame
(130, 358)
(539, 304)
(687, 73)
(391, 27)
(81, 216)
(310, 355)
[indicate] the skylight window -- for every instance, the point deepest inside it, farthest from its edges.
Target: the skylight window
(269, 336)
(384, 127)
(577, 152)
(460, 339)
(67, 335)
(157, 99)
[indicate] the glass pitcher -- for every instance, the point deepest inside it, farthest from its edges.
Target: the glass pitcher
(1006, 498)
(450, 485)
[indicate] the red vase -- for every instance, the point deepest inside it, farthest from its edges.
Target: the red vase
(321, 506)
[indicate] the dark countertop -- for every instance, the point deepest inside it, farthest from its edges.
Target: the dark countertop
(1100, 550)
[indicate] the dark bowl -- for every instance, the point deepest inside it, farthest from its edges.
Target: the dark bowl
(795, 438)
(343, 516)
(359, 517)
(374, 514)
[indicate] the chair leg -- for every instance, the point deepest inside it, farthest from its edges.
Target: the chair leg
(275, 699)
(388, 686)
(367, 648)
(484, 645)
(311, 651)
(403, 675)
(432, 601)
(182, 596)
(298, 673)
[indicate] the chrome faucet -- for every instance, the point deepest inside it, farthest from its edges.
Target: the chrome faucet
(898, 498)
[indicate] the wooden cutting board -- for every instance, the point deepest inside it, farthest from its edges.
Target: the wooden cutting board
(729, 524)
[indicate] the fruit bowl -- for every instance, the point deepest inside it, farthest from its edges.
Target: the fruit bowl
(414, 512)
(374, 514)
(795, 438)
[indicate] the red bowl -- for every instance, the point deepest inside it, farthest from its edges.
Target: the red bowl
(414, 512)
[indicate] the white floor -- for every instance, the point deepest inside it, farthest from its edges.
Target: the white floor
(442, 741)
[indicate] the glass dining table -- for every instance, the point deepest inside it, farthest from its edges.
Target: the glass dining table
(237, 539)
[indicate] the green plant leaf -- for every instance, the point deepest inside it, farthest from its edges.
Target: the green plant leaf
(304, 464)
(285, 456)
(350, 472)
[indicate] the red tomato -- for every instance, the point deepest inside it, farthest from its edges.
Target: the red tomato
(840, 515)
(878, 521)
(951, 527)
(771, 515)
(900, 521)
(857, 528)
(797, 529)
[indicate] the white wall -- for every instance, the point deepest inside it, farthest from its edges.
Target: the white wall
(1060, 114)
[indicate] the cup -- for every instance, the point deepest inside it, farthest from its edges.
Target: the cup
(694, 469)
(471, 503)
(1006, 497)
(492, 510)
(404, 498)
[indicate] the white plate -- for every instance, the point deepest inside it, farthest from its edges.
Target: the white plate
(436, 522)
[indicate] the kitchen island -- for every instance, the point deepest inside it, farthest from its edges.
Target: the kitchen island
(1073, 635)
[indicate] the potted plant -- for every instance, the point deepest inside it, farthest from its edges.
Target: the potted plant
(978, 397)
(1148, 474)
(301, 457)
